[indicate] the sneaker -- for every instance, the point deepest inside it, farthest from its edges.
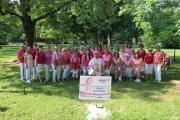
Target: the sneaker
(120, 79)
(54, 81)
(28, 81)
(142, 76)
(137, 80)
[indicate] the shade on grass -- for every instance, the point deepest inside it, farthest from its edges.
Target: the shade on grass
(147, 100)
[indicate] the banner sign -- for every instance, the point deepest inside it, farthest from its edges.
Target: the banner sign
(95, 88)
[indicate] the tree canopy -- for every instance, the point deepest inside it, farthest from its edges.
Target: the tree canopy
(91, 21)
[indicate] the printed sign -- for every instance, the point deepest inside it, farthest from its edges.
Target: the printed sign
(95, 88)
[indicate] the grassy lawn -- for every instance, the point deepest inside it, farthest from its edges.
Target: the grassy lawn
(147, 100)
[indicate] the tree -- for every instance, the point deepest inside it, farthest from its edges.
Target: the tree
(30, 12)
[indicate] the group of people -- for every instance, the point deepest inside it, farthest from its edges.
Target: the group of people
(127, 63)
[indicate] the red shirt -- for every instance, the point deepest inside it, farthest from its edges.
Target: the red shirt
(40, 57)
(158, 57)
(141, 53)
(20, 53)
(34, 51)
(149, 58)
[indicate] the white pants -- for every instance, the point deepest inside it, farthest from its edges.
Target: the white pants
(56, 72)
(29, 71)
(157, 69)
(85, 71)
(74, 73)
(65, 71)
(107, 72)
(47, 70)
(129, 72)
(22, 71)
(34, 70)
(148, 68)
(39, 70)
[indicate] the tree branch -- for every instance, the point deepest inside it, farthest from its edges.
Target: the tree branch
(10, 13)
(53, 11)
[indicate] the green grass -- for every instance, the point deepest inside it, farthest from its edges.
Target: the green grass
(56, 101)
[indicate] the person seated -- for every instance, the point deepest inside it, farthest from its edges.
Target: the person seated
(96, 65)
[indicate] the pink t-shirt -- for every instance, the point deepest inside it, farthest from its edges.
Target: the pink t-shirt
(85, 60)
(101, 53)
(141, 53)
(66, 58)
(107, 60)
(129, 51)
(80, 54)
(158, 57)
(128, 63)
(48, 57)
(34, 51)
(40, 57)
(20, 53)
(55, 58)
(74, 62)
(138, 63)
(29, 58)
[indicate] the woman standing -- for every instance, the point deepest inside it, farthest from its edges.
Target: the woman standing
(75, 65)
(85, 61)
(66, 63)
(48, 58)
(107, 62)
(117, 63)
(20, 57)
(148, 59)
(28, 58)
(158, 63)
(55, 64)
(39, 62)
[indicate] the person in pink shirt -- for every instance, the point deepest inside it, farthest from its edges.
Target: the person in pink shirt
(158, 63)
(20, 57)
(128, 64)
(85, 61)
(66, 63)
(39, 62)
(148, 68)
(100, 51)
(75, 65)
(107, 58)
(122, 53)
(55, 63)
(141, 52)
(34, 50)
(80, 52)
(48, 58)
(138, 66)
(117, 64)
(28, 59)
(129, 49)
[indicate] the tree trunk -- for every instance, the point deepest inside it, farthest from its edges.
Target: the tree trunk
(29, 30)
(109, 39)
(28, 23)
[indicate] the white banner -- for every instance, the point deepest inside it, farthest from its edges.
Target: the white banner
(95, 88)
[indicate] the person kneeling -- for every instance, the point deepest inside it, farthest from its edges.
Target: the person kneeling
(138, 65)
(96, 65)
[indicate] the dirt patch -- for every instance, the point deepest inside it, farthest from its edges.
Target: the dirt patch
(176, 85)
(9, 62)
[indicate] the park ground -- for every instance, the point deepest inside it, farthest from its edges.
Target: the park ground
(147, 100)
